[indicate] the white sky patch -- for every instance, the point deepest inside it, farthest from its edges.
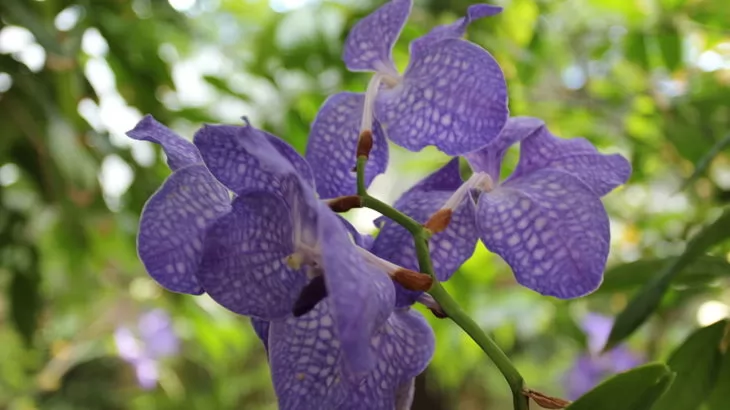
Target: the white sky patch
(14, 39)
(712, 311)
(282, 6)
(9, 174)
(182, 5)
(712, 61)
(93, 43)
(101, 76)
(574, 77)
(192, 90)
(6, 81)
(68, 18)
(363, 220)
(33, 56)
(115, 178)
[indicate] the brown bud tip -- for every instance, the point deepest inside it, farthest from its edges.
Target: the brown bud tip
(439, 313)
(546, 402)
(413, 280)
(439, 221)
(365, 144)
(345, 203)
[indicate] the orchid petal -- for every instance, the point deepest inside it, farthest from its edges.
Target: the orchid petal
(551, 229)
(261, 328)
(576, 156)
(453, 95)
(456, 29)
(246, 159)
(450, 248)
(369, 45)
(180, 152)
(489, 159)
(362, 296)
(173, 226)
(307, 361)
(332, 146)
(244, 263)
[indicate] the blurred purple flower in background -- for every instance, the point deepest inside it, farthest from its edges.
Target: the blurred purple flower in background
(593, 367)
(143, 347)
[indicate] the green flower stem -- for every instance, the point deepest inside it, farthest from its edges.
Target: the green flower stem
(505, 366)
(439, 293)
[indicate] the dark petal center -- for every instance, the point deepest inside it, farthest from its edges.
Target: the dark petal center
(312, 294)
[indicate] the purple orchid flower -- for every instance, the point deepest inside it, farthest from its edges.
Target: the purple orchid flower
(452, 95)
(152, 340)
(275, 247)
(280, 241)
(593, 367)
(546, 220)
(176, 218)
(278, 245)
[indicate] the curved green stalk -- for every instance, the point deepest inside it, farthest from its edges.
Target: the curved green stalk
(439, 293)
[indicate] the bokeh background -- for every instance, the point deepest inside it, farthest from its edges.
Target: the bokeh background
(648, 78)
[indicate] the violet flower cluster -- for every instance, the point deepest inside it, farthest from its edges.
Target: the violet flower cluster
(247, 220)
(593, 367)
(143, 346)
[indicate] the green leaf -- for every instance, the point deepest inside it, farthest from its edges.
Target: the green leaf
(654, 393)
(720, 397)
(629, 390)
(25, 299)
(670, 45)
(635, 49)
(706, 160)
(648, 298)
(696, 362)
(629, 275)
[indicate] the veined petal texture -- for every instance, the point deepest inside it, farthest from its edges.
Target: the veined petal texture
(453, 95)
(489, 159)
(246, 159)
(551, 229)
(180, 152)
(244, 263)
(456, 29)
(576, 156)
(307, 369)
(361, 295)
(173, 227)
(332, 146)
(369, 45)
(450, 248)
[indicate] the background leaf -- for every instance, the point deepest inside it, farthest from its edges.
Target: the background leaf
(696, 363)
(648, 298)
(626, 390)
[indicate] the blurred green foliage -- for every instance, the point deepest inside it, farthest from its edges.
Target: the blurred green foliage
(649, 79)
